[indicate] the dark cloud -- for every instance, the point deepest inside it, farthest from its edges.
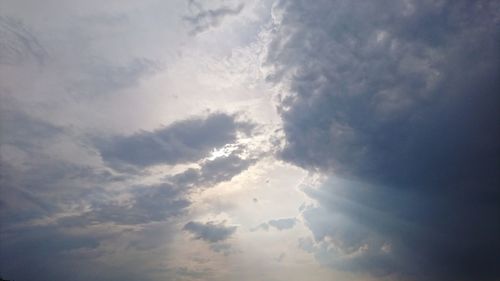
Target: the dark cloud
(41, 186)
(401, 95)
(361, 229)
(50, 253)
(18, 43)
(211, 232)
(33, 184)
(61, 253)
(181, 142)
(41, 189)
(205, 19)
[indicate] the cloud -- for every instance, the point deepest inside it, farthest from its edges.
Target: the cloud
(58, 216)
(223, 248)
(163, 201)
(25, 131)
(205, 19)
(81, 205)
(279, 224)
(18, 43)
(48, 249)
(399, 96)
(359, 228)
(210, 231)
(147, 204)
(212, 172)
(181, 142)
(67, 77)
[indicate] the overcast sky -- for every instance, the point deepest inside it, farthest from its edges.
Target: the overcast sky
(268, 140)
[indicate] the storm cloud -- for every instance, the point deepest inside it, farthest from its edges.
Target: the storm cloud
(401, 96)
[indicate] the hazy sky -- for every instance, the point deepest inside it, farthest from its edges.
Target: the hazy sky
(260, 140)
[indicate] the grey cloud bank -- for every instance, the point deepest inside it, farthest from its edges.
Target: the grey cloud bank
(403, 97)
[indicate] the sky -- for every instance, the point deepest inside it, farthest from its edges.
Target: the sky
(269, 140)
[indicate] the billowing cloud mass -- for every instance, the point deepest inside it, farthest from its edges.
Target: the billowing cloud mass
(401, 96)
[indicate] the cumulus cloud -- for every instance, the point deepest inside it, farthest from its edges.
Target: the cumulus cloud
(400, 95)
(181, 142)
(211, 232)
(370, 90)
(205, 19)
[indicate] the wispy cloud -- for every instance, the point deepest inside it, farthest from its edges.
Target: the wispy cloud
(19, 43)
